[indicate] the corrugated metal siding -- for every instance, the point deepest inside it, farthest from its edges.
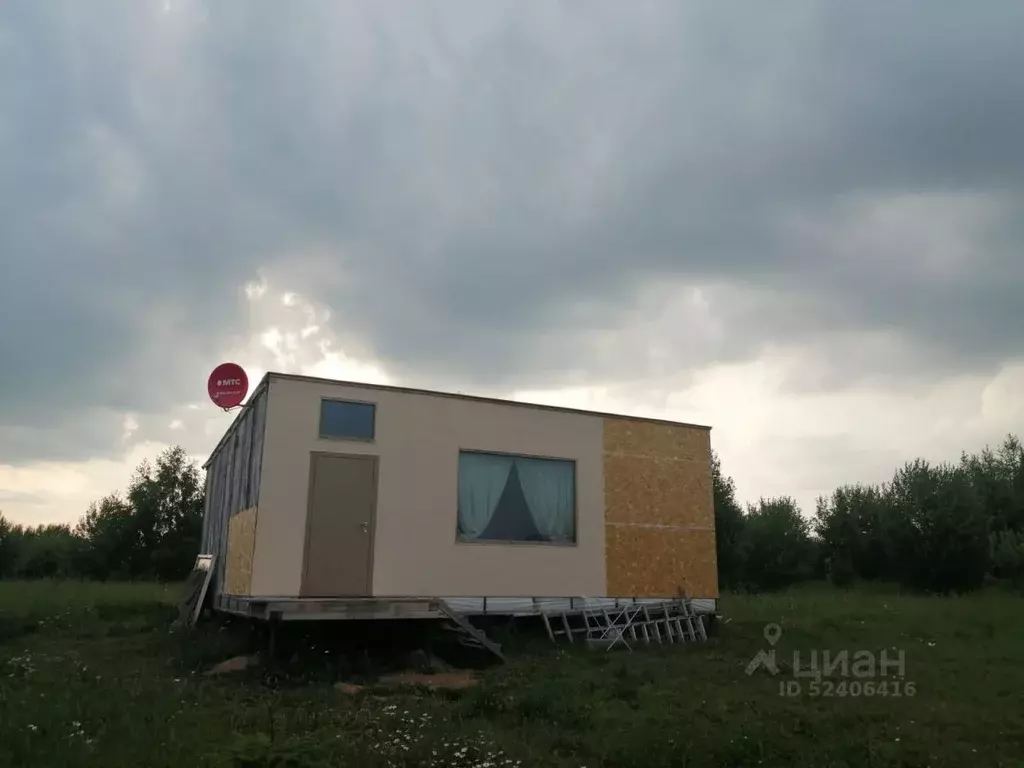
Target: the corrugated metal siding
(204, 539)
(233, 482)
(259, 426)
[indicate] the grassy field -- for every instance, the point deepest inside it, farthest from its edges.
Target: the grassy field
(95, 675)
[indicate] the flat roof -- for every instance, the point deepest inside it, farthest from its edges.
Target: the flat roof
(267, 377)
(476, 399)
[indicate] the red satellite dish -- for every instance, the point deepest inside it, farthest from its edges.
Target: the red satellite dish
(228, 385)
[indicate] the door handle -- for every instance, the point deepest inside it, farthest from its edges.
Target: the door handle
(364, 526)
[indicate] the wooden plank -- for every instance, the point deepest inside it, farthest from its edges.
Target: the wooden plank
(196, 586)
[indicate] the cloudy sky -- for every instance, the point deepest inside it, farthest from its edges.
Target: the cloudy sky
(800, 224)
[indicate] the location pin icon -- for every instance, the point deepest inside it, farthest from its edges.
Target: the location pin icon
(772, 633)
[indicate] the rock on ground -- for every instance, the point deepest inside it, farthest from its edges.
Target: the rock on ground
(236, 664)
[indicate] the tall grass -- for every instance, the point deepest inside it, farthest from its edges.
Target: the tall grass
(94, 676)
(49, 598)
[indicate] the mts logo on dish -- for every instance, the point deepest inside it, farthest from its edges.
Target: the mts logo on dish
(229, 382)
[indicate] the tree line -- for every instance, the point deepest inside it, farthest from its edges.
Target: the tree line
(942, 528)
(949, 527)
(151, 533)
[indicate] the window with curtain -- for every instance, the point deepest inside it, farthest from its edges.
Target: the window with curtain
(503, 497)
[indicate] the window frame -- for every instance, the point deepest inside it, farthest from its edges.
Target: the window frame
(460, 540)
(345, 438)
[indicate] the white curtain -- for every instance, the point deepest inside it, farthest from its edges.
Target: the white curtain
(482, 478)
(549, 488)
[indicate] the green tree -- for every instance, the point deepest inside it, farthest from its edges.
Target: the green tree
(854, 527)
(168, 510)
(940, 532)
(151, 533)
(778, 544)
(115, 545)
(728, 527)
(50, 552)
(154, 531)
(998, 479)
(11, 543)
(1007, 552)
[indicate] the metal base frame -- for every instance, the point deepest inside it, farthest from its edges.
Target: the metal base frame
(370, 608)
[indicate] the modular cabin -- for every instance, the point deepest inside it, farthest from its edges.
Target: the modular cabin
(327, 493)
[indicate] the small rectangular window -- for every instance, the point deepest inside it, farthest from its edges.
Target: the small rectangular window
(516, 498)
(347, 420)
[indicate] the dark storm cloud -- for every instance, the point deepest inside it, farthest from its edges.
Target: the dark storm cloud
(488, 193)
(119, 252)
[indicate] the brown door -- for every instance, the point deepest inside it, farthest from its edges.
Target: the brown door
(339, 528)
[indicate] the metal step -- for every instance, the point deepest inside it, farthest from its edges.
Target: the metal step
(467, 632)
(673, 621)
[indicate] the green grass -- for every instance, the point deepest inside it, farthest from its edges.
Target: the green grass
(94, 675)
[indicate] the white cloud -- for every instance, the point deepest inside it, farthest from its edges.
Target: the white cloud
(60, 492)
(256, 289)
(131, 426)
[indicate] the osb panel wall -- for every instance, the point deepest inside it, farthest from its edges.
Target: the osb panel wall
(241, 541)
(657, 491)
(653, 440)
(660, 562)
(659, 514)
